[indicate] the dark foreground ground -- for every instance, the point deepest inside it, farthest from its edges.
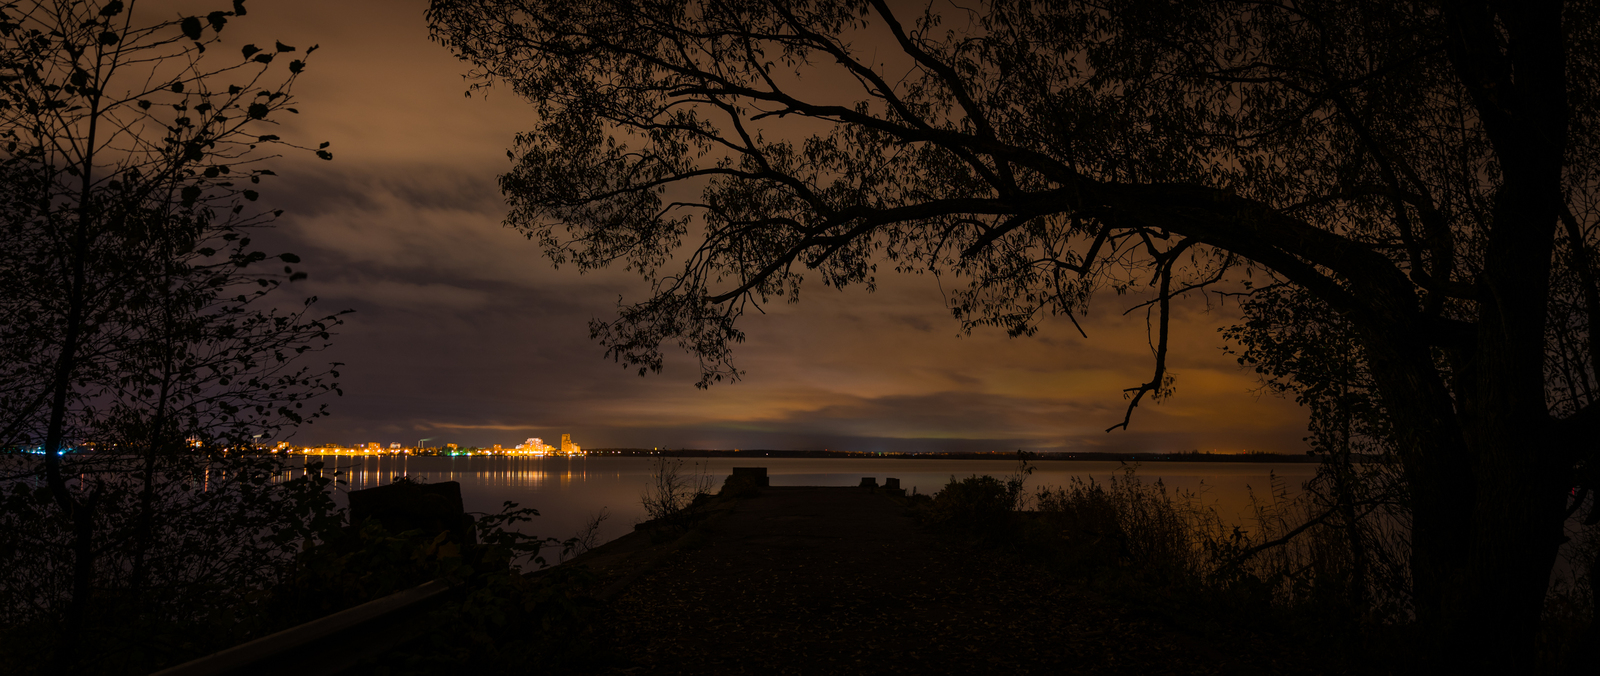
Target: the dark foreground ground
(834, 580)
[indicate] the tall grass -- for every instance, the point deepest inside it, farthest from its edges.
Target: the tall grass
(1128, 524)
(1336, 543)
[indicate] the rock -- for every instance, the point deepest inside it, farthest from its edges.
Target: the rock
(408, 505)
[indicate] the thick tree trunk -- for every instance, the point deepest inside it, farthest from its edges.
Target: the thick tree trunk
(1485, 542)
(1492, 600)
(1487, 485)
(1483, 548)
(1488, 500)
(1494, 597)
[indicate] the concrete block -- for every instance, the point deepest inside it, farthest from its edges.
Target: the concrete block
(757, 474)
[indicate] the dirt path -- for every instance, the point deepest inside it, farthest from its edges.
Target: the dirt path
(835, 581)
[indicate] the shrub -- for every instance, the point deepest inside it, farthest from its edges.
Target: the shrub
(225, 531)
(671, 492)
(980, 504)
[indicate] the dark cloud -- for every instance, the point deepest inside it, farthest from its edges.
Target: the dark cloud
(327, 187)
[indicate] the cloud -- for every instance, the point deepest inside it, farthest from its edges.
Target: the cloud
(463, 330)
(397, 294)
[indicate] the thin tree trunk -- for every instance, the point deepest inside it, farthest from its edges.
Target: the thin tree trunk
(81, 513)
(79, 516)
(154, 448)
(55, 432)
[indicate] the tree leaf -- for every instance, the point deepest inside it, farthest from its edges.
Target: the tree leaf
(190, 27)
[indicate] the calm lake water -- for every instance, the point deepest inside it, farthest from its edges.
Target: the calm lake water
(568, 492)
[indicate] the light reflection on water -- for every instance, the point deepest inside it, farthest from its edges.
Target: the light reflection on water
(568, 492)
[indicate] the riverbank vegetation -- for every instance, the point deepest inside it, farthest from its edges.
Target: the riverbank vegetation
(1331, 576)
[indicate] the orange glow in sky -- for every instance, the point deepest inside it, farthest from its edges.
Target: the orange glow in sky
(463, 333)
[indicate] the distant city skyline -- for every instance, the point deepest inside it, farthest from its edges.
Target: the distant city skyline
(534, 446)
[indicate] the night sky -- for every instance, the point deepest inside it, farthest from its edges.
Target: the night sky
(464, 334)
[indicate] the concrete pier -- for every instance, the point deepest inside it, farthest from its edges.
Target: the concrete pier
(841, 580)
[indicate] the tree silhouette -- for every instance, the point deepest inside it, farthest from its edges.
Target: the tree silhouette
(1424, 171)
(141, 342)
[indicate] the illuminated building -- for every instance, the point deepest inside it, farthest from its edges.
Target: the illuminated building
(534, 446)
(569, 448)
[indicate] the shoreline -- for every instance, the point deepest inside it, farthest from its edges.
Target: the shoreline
(979, 455)
(1272, 458)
